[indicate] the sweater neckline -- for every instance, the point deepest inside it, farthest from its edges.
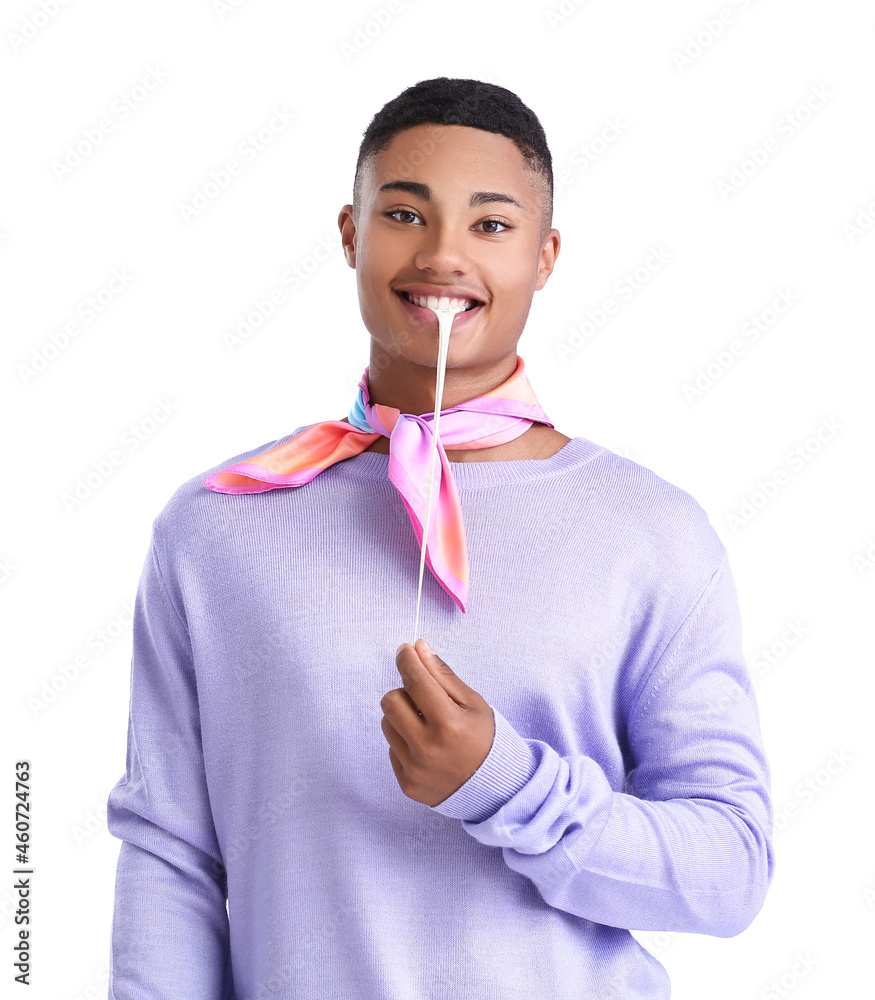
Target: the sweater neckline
(374, 465)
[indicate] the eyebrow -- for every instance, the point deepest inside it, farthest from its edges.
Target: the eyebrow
(424, 191)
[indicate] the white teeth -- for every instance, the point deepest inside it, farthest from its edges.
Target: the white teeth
(433, 302)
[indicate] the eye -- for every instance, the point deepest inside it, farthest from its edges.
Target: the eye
(495, 222)
(401, 211)
(486, 222)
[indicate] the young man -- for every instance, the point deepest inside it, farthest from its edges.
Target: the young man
(581, 757)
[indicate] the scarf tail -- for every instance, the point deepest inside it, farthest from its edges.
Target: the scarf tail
(486, 421)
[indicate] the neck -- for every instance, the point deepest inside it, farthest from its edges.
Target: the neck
(410, 388)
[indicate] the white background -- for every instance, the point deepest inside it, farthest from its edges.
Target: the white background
(798, 224)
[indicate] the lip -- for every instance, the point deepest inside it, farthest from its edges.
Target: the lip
(427, 317)
(439, 291)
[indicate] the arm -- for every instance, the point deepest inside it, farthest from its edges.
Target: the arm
(170, 927)
(686, 847)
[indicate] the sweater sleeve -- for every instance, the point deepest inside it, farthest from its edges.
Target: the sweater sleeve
(686, 846)
(170, 928)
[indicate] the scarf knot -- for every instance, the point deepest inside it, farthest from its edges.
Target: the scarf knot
(486, 421)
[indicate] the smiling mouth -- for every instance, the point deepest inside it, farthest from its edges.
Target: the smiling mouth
(472, 304)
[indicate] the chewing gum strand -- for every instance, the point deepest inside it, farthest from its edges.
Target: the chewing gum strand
(445, 319)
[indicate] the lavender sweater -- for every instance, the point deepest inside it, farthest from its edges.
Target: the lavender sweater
(267, 849)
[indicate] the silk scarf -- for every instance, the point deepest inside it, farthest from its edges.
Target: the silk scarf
(498, 416)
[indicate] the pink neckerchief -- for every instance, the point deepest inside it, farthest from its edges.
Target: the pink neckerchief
(499, 416)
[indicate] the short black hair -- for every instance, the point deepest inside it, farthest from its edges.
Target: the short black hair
(475, 103)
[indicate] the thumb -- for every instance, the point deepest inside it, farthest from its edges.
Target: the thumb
(441, 671)
(426, 653)
(433, 663)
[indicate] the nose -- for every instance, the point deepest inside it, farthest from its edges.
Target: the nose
(442, 250)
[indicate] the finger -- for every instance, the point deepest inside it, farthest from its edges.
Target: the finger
(396, 741)
(401, 709)
(450, 682)
(434, 689)
(428, 694)
(397, 766)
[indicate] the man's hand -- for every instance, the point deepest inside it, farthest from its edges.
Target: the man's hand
(439, 730)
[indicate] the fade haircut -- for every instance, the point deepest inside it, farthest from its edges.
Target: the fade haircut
(474, 103)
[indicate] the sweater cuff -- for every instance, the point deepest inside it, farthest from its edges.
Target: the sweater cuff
(508, 767)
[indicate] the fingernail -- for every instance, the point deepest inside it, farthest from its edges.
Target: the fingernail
(398, 650)
(428, 647)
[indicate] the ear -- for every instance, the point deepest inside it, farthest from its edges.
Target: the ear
(346, 224)
(547, 259)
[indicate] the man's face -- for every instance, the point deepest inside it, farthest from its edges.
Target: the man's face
(427, 236)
